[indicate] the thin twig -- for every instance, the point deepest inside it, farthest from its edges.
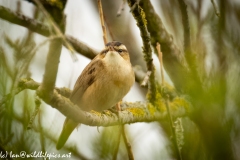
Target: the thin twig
(53, 56)
(55, 26)
(179, 157)
(19, 6)
(158, 47)
(7, 97)
(161, 61)
(146, 78)
(186, 28)
(121, 8)
(51, 69)
(109, 29)
(37, 106)
(179, 131)
(44, 42)
(102, 21)
(127, 144)
(30, 84)
(134, 5)
(190, 56)
(118, 142)
(215, 8)
(44, 30)
(140, 17)
(174, 62)
(42, 139)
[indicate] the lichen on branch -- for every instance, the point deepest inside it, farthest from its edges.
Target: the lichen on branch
(131, 112)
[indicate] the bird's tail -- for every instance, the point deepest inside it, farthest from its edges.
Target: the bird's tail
(68, 127)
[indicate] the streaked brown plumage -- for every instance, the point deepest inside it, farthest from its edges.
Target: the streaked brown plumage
(103, 83)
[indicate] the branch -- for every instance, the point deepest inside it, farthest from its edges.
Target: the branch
(139, 74)
(127, 144)
(119, 133)
(138, 112)
(167, 105)
(186, 27)
(20, 19)
(179, 157)
(51, 68)
(48, 136)
(131, 112)
(38, 27)
(146, 78)
(31, 84)
(140, 18)
(102, 21)
(173, 64)
(34, 114)
(56, 20)
(215, 8)
(189, 54)
(158, 47)
(121, 8)
(81, 48)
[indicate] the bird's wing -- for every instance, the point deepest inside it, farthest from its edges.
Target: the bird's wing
(86, 79)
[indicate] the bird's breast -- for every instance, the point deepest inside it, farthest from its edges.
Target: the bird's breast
(111, 85)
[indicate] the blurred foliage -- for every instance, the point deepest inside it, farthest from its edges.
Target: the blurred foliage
(106, 145)
(15, 60)
(212, 129)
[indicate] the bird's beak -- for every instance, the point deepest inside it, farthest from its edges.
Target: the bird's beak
(111, 48)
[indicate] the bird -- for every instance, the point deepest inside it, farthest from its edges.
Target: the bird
(102, 84)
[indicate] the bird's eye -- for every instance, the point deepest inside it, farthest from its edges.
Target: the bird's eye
(120, 50)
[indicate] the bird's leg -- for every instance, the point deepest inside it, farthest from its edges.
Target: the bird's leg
(118, 106)
(115, 109)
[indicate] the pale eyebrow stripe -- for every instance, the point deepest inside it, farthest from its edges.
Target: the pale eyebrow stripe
(121, 47)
